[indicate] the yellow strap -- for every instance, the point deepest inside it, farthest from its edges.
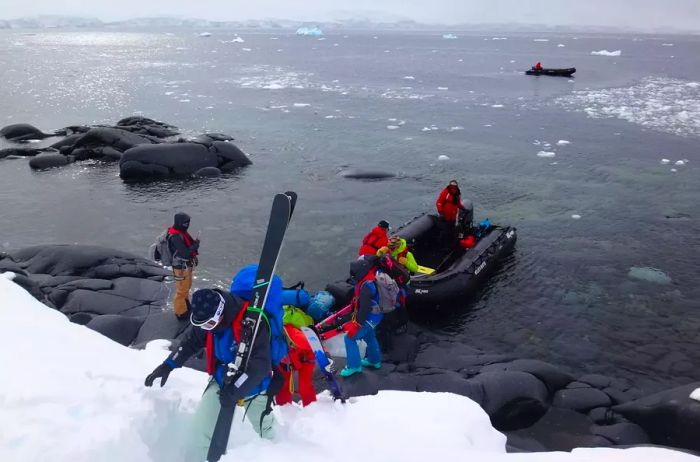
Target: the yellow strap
(425, 270)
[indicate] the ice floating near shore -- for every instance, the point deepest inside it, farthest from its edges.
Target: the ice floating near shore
(561, 45)
(680, 162)
(576, 216)
(695, 394)
(443, 157)
(392, 127)
(670, 105)
(563, 142)
(541, 40)
(665, 161)
(235, 40)
(667, 44)
(310, 31)
(442, 88)
(649, 274)
(497, 105)
(607, 53)
(546, 154)
(409, 77)
(455, 128)
(301, 105)
(499, 38)
(449, 36)
(205, 34)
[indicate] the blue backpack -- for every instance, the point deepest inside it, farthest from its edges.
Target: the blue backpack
(273, 314)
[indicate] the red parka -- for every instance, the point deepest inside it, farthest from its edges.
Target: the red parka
(448, 203)
(373, 241)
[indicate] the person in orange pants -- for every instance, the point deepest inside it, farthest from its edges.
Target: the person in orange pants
(301, 359)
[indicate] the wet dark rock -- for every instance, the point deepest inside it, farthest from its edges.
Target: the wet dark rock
(121, 329)
(670, 418)
(581, 399)
(617, 396)
(22, 132)
(104, 142)
(551, 376)
(601, 415)
(561, 430)
(208, 138)
(146, 126)
(47, 160)
(621, 433)
(577, 384)
(19, 152)
(208, 172)
(596, 380)
(366, 174)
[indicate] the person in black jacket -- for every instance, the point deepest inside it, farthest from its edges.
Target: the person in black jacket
(184, 249)
(216, 318)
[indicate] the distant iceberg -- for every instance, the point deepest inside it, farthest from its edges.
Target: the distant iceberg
(449, 36)
(607, 53)
(205, 34)
(310, 31)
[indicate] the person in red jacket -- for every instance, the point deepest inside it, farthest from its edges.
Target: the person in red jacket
(449, 201)
(301, 359)
(375, 239)
(538, 67)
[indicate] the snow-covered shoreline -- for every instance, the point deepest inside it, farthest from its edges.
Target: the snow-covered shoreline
(74, 395)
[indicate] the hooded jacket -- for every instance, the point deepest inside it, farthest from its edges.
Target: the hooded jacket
(373, 241)
(449, 203)
(367, 297)
(402, 251)
(183, 247)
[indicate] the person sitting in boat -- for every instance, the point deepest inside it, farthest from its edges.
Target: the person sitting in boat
(537, 67)
(398, 249)
(375, 239)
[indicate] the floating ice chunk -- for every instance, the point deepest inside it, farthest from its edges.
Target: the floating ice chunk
(667, 44)
(488, 125)
(674, 170)
(322, 38)
(236, 40)
(695, 394)
(392, 127)
(330, 117)
(576, 216)
(185, 100)
(649, 274)
(680, 162)
(443, 157)
(409, 77)
(561, 45)
(301, 105)
(499, 38)
(546, 154)
(665, 161)
(456, 128)
(168, 93)
(443, 88)
(402, 122)
(541, 40)
(607, 53)
(246, 49)
(497, 105)
(537, 142)
(205, 34)
(313, 31)
(563, 142)
(571, 81)
(449, 36)
(460, 60)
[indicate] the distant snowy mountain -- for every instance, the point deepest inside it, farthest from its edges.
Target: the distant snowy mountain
(48, 22)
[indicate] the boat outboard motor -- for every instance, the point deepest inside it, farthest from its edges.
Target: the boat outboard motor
(465, 218)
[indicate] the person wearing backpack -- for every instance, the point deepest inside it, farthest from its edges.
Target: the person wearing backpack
(184, 249)
(368, 312)
(398, 249)
(216, 317)
(375, 239)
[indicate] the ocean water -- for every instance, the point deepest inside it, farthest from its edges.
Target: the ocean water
(575, 164)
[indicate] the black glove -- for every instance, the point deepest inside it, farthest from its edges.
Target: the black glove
(227, 396)
(162, 371)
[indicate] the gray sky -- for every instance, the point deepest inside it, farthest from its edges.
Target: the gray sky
(640, 14)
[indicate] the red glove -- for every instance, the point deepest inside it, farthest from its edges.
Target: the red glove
(351, 328)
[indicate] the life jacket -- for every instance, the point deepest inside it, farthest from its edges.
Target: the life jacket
(373, 241)
(185, 236)
(448, 204)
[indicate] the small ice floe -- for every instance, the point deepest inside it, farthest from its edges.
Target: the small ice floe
(392, 127)
(330, 117)
(443, 88)
(401, 122)
(302, 104)
(449, 36)
(496, 105)
(680, 162)
(546, 154)
(561, 45)
(247, 49)
(460, 60)
(674, 170)
(645, 273)
(443, 157)
(184, 100)
(409, 77)
(455, 128)
(667, 44)
(512, 61)
(665, 161)
(571, 81)
(236, 40)
(205, 34)
(695, 394)
(537, 142)
(541, 40)
(607, 53)
(168, 93)
(181, 48)
(310, 31)
(576, 216)
(322, 38)
(499, 38)
(563, 142)
(488, 125)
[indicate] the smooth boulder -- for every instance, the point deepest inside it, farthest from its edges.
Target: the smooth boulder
(49, 160)
(22, 132)
(178, 159)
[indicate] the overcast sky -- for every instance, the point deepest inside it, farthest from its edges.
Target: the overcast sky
(646, 14)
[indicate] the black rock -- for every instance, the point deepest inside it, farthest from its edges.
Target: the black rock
(581, 399)
(49, 160)
(121, 329)
(621, 433)
(551, 376)
(208, 172)
(22, 132)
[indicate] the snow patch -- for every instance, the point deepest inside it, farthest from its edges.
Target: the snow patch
(607, 53)
(546, 154)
